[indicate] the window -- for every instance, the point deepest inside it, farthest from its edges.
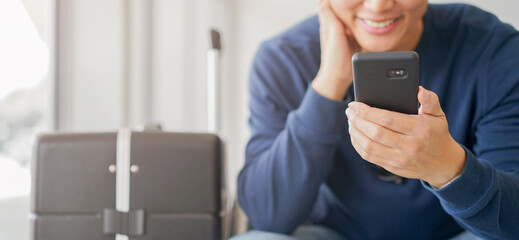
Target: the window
(25, 105)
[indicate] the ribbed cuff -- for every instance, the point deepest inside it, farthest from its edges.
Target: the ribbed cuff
(320, 116)
(471, 191)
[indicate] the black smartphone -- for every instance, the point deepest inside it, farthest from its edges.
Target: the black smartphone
(387, 80)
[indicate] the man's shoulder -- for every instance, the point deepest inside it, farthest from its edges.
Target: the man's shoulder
(472, 34)
(295, 51)
(287, 62)
(462, 17)
(482, 50)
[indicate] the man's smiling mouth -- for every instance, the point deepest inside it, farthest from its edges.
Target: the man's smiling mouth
(376, 24)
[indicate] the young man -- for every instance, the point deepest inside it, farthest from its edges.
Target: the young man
(459, 157)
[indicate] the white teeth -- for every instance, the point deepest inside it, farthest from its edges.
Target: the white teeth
(378, 24)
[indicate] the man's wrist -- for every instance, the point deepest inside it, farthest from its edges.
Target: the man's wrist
(458, 161)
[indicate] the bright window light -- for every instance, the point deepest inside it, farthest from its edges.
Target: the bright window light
(24, 60)
(24, 57)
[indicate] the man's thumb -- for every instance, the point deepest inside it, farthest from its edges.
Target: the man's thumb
(430, 103)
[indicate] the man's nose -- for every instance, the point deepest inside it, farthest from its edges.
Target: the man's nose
(379, 5)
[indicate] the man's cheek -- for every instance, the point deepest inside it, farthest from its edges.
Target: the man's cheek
(343, 8)
(417, 7)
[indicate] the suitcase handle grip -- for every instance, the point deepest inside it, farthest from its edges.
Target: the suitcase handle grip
(126, 223)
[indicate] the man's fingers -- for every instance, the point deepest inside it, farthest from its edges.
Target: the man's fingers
(398, 122)
(370, 158)
(327, 18)
(377, 132)
(322, 13)
(324, 10)
(382, 161)
(368, 148)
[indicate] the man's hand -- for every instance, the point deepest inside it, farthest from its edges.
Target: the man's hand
(412, 146)
(337, 47)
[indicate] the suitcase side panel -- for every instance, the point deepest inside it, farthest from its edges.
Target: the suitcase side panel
(178, 173)
(80, 227)
(70, 173)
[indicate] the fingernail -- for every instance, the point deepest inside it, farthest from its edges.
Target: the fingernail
(348, 112)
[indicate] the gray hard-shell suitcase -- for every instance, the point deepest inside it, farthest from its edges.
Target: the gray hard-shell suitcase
(174, 187)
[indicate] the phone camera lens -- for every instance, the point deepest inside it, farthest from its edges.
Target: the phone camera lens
(396, 73)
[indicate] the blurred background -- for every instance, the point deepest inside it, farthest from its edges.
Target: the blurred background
(98, 65)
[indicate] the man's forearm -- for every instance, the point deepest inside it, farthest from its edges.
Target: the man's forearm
(278, 187)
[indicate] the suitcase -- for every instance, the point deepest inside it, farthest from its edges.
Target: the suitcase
(167, 188)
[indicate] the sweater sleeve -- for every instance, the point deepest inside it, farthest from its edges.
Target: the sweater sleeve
(485, 198)
(291, 151)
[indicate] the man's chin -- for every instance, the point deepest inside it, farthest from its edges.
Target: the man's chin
(377, 48)
(377, 45)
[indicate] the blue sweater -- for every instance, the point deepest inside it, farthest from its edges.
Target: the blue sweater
(300, 164)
